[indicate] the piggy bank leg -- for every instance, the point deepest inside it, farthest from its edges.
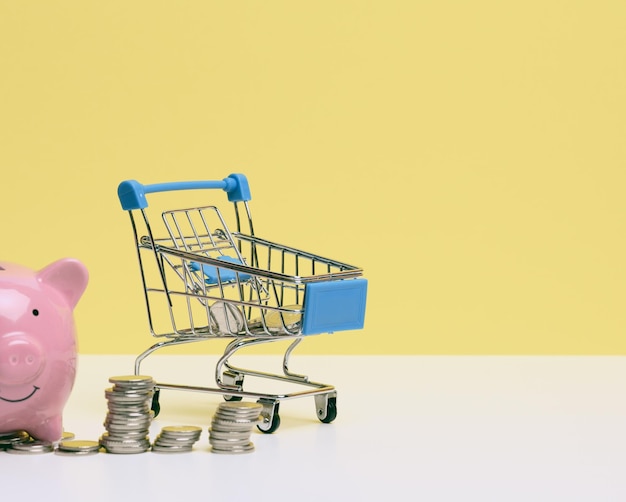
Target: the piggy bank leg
(49, 430)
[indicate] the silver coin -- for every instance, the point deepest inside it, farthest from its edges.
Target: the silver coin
(240, 410)
(130, 428)
(131, 380)
(132, 390)
(126, 450)
(175, 437)
(119, 392)
(243, 448)
(10, 438)
(228, 435)
(235, 419)
(131, 405)
(143, 409)
(226, 440)
(122, 437)
(71, 453)
(171, 449)
(218, 445)
(181, 429)
(238, 420)
(129, 433)
(240, 405)
(171, 437)
(245, 412)
(111, 439)
(233, 451)
(14, 451)
(230, 426)
(32, 447)
(122, 445)
(172, 442)
(128, 421)
(183, 439)
(130, 399)
(127, 415)
(127, 397)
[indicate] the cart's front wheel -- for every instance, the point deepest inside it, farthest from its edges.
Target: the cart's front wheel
(331, 411)
(270, 420)
(326, 406)
(271, 425)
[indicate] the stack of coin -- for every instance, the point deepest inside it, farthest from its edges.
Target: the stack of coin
(176, 439)
(22, 442)
(129, 416)
(31, 447)
(72, 447)
(8, 439)
(231, 427)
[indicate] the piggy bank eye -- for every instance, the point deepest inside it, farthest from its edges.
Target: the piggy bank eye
(35, 312)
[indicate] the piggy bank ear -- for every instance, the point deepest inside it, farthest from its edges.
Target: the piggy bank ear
(68, 276)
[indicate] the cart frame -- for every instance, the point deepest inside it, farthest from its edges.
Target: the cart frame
(214, 283)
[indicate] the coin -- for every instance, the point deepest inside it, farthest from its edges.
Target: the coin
(132, 380)
(176, 438)
(70, 453)
(228, 434)
(129, 415)
(231, 426)
(78, 445)
(234, 450)
(182, 429)
(32, 447)
(71, 447)
(8, 439)
(158, 448)
(240, 406)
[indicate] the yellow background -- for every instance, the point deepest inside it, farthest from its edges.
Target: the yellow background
(470, 156)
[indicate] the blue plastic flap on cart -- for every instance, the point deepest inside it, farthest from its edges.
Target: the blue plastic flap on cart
(334, 306)
(225, 274)
(132, 194)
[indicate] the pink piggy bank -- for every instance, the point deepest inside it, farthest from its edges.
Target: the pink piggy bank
(38, 345)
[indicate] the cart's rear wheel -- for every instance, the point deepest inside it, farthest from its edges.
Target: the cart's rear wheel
(155, 406)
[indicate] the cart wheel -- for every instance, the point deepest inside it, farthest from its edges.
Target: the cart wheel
(270, 420)
(331, 411)
(271, 425)
(232, 378)
(156, 407)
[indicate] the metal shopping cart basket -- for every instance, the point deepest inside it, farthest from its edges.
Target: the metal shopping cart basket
(202, 281)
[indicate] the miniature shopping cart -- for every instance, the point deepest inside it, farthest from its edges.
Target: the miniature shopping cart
(202, 281)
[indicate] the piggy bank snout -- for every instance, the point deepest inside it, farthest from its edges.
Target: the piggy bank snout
(21, 359)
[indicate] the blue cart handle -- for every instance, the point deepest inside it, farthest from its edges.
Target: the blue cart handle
(132, 194)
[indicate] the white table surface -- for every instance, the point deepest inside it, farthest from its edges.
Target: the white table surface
(408, 428)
